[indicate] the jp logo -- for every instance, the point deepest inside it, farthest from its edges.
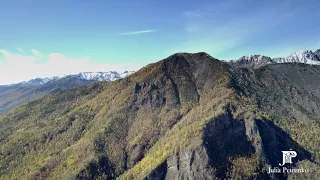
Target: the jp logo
(287, 157)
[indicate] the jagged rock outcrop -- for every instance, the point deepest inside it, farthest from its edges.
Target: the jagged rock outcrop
(189, 164)
(257, 61)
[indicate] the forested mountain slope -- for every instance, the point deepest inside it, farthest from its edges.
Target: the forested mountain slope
(189, 116)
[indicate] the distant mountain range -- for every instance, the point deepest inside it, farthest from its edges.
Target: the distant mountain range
(13, 95)
(256, 61)
(16, 94)
(188, 116)
(90, 76)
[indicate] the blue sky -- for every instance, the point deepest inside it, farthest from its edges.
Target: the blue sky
(45, 38)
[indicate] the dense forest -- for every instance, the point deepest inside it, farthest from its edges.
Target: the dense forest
(189, 116)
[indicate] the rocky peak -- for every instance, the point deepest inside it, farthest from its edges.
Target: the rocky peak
(185, 55)
(303, 56)
(252, 61)
(257, 61)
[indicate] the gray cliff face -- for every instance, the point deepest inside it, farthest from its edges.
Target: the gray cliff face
(288, 97)
(223, 137)
(189, 165)
(225, 140)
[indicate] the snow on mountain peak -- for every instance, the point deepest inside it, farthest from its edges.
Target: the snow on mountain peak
(254, 61)
(102, 76)
(90, 76)
(301, 56)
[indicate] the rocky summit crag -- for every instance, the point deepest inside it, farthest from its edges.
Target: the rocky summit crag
(189, 116)
(257, 61)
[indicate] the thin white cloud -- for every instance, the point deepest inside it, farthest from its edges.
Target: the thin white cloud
(35, 52)
(138, 32)
(5, 52)
(211, 29)
(20, 50)
(15, 67)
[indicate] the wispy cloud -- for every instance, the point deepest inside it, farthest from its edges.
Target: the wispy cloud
(138, 32)
(20, 50)
(212, 28)
(5, 52)
(35, 52)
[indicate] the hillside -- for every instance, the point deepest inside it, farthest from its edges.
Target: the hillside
(14, 95)
(189, 116)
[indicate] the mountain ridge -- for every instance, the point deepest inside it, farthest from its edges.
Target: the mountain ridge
(189, 116)
(16, 94)
(97, 76)
(257, 61)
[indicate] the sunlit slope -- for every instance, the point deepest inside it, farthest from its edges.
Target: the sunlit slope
(188, 115)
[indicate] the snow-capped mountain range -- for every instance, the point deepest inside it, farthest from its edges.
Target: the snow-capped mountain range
(90, 76)
(250, 61)
(306, 56)
(256, 61)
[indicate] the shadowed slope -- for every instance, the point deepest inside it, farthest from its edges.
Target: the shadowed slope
(188, 116)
